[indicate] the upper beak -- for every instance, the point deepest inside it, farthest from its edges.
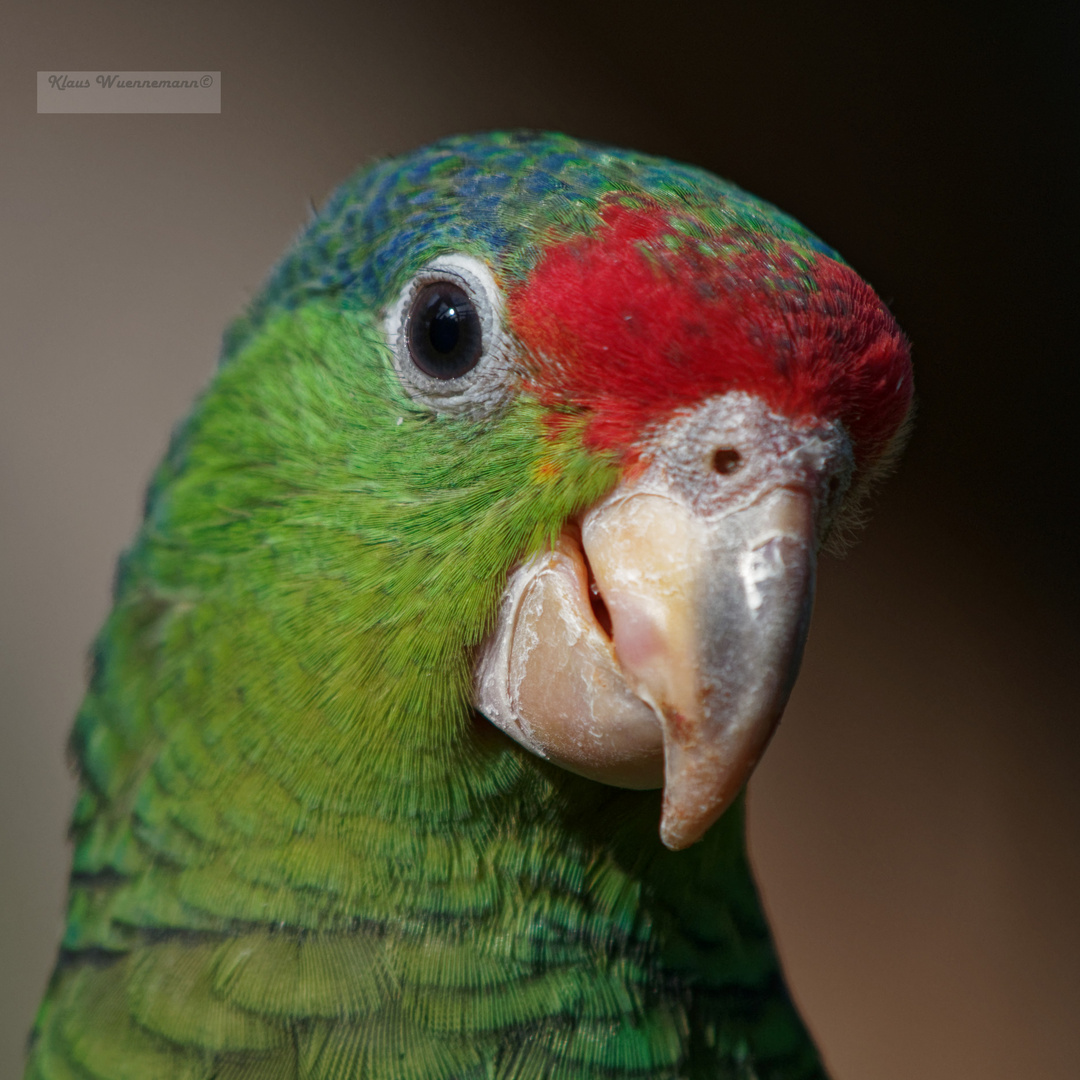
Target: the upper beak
(659, 645)
(709, 617)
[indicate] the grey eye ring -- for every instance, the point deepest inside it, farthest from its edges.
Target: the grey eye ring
(445, 329)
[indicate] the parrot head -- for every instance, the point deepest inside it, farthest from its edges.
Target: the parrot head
(504, 502)
(578, 422)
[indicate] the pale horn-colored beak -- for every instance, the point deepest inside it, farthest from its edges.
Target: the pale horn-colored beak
(659, 644)
(708, 622)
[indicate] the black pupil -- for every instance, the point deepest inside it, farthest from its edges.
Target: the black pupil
(444, 331)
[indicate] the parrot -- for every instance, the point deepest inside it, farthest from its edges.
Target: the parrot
(463, 605)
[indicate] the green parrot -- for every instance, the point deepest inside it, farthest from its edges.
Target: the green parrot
(465, 601)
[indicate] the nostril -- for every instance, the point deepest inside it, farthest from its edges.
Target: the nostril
(726, 460)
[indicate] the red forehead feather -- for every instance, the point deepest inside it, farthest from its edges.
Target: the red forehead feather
(634, 321)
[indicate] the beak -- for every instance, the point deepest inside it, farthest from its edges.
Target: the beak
(658, 643)
(709, 618)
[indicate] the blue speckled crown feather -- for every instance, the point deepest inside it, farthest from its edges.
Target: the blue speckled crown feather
(491, 195)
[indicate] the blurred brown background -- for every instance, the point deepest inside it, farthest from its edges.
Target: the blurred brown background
(917, 822)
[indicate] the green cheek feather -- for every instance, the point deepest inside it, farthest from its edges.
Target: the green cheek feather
(301, 853)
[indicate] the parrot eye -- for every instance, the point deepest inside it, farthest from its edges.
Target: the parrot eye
(444, 333)
(445, 330)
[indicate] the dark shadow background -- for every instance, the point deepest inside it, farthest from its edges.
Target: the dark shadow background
(916, 823)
